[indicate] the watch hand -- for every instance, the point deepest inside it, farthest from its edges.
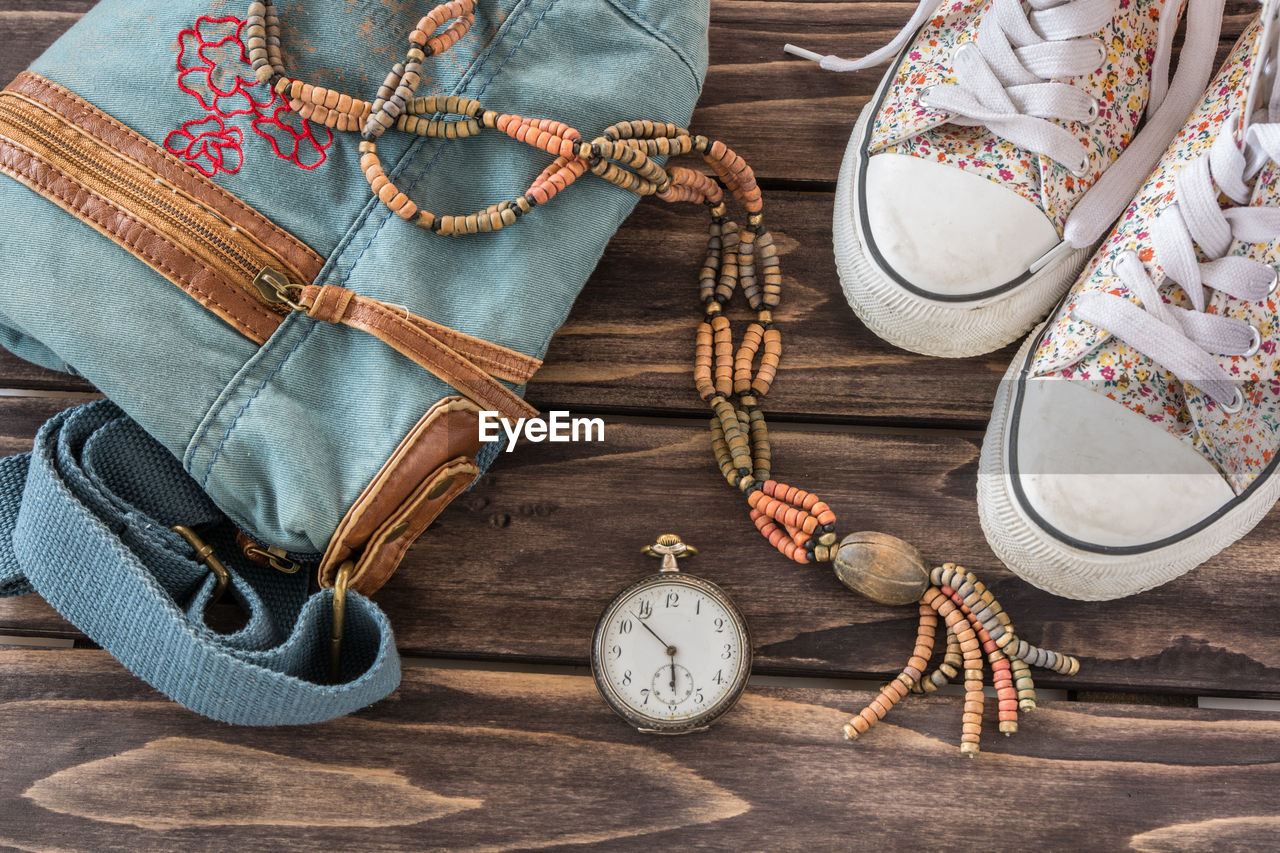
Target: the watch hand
(645, 625)
(671, 650)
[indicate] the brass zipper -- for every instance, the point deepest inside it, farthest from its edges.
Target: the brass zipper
(157, 205)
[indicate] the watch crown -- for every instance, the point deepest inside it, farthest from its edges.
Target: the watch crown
(669, 548)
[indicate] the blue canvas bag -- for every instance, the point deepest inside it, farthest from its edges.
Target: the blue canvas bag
(293, 371)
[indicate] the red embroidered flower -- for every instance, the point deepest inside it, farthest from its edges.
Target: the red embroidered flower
(292, 139)
(208, 144)
(214, 69)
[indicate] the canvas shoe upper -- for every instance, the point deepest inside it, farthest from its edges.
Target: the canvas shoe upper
(1137, 434)
(971, 190)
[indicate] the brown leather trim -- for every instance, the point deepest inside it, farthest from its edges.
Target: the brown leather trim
(497, 361)
(417, 339)
(387, 548)
(230, 302)
(299, 259)
(332, 304)
(440, 446)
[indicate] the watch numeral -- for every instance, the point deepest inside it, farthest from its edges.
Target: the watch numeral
(698, 698)
(646, 609)
(624, 627)
(719, 625)
(728, 652)
(719, 679)
(645, 694)
(616, 651)
(673, 599)
(697, 607)
(626, 677)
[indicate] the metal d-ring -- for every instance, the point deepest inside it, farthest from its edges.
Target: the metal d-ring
(339, 612)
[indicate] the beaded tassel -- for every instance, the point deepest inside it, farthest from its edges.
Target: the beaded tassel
(731, 379)
(976, 625)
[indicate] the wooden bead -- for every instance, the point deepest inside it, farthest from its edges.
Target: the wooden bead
(723, 350)
(905, 681)
(727, 280)
(882, 568)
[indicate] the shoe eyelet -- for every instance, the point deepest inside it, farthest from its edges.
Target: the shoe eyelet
(1082, 170)
(1102, 53)
(1255, 345)
(1237, 403)
(922, 97)
(1095, 109)
(1111, 268)
(1275, 282)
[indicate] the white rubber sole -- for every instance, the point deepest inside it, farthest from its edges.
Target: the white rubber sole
(1041, 559)
(917, 323)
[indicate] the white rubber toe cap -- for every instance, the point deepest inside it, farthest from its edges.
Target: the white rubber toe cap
(1103, 475)
(948, 232)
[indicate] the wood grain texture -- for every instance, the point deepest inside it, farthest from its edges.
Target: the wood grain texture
(520, 567)
(20, 374)
(29, 26)
(628, 343)
(95, 760)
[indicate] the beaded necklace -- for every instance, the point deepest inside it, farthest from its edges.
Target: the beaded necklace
(731, 380)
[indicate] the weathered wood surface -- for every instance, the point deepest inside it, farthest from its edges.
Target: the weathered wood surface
(29, 26)
(628, 344)
(466, 759)
(19, 374)
(521, 566)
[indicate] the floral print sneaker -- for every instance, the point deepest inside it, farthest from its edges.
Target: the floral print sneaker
(972, 190)
(1135, 435)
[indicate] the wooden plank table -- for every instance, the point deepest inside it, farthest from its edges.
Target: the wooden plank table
(497, 740)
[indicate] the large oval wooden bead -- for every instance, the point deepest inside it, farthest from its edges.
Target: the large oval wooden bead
(883, 568)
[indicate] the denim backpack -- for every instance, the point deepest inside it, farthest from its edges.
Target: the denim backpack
(167, 206)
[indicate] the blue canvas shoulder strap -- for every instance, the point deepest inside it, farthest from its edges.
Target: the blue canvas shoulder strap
(85, 521)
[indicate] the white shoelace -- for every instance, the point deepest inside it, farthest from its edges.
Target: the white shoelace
(1185, 341)
(1008, 80)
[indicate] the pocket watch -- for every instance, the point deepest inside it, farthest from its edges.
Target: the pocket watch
(671, 652)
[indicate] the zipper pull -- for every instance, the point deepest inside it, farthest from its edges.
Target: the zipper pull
(276, 558)
(275, 288)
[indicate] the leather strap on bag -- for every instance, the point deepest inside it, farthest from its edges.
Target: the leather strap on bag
(467, 363)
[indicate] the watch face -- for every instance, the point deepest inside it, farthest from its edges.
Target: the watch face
(671, 653)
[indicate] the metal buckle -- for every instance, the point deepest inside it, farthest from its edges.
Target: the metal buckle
(205, 556)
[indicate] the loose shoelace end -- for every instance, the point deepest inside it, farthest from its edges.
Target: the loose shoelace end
(802, 53)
